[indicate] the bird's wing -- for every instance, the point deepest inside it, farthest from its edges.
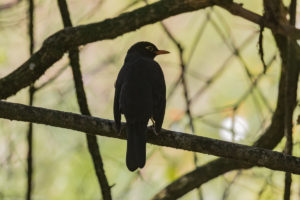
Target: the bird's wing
(136, 100)
(140, 92)
(159, 94)
(118, 86)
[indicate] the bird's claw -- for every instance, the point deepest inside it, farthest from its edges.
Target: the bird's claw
(153, 128)
(120, 131)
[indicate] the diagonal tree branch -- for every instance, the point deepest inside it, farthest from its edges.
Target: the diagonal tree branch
(183, 81)
(269, 140)
(64, 42)
(51, 79)
(213, 169)
(276, 26)
(96, 126)
(56, 45)
(82, 101)
(198, 36)
(221, 69)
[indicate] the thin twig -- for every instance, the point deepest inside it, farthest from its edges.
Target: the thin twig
(221, 69)
(236, 105)
(237, 53)
(227, 189)
(264, 187)
(130, 5)
(53, 78)
(30, 151)
(269, 139)
(261, 47)
(31, 100)
(198, 36)
(63, 40)
(91, 12)
(82, 102)
(255, 82)
(183, 81)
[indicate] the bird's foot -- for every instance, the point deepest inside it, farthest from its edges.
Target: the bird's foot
(120, 131)
(153, 128)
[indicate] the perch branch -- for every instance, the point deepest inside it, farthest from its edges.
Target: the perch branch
(57, 44)
(97, 126)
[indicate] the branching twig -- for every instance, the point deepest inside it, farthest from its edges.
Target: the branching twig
(186, 94)
(60, 42)
(227, 189)
(237, 53)
(255, 82)
(220, 70)
(261, 47)
(53, 78)
(69, 38)
(213, 169)
(56, 45)
(264, 187)
(183, 80)
(198, 36)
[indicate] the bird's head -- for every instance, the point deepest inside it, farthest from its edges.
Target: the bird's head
(145, 49)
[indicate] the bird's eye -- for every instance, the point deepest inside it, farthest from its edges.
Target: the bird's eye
(150, 48)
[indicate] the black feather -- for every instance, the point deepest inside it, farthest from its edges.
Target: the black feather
(136, 145)
(140, 94)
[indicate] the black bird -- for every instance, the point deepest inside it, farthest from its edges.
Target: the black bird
(140, 94)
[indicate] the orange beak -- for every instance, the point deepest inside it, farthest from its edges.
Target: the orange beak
(161, 52)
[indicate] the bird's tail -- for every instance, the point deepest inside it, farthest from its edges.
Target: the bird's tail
(136, 145)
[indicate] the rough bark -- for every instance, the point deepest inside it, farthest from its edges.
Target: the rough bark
(96, 126)
(92, 143)
(273, 135)
(56, 45)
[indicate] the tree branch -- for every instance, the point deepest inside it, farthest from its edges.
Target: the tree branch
(82, 102)
(186, 95)
(268, 140)
(275, 26)
(215, 168)
(97, 126)
(56, 45)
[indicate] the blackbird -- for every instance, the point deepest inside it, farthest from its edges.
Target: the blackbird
(140, 94)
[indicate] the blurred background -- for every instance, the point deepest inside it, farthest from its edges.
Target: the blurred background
(228, 96)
